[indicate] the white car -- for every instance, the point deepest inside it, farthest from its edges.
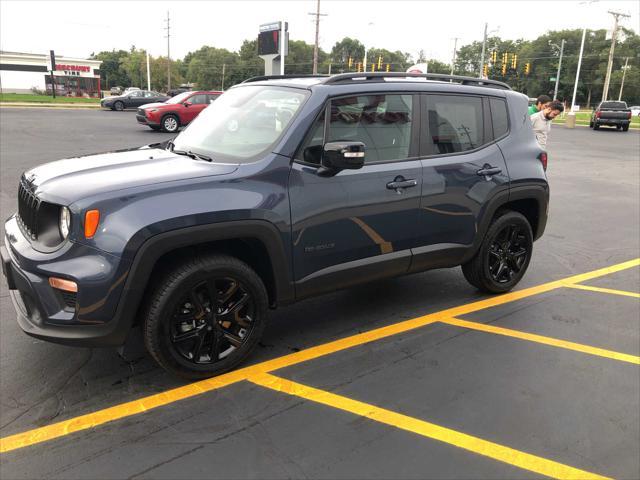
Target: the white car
(129, 89)
(635, 111)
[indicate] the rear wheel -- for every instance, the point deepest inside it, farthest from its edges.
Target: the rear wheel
(205, 316)
(170, 123)
(596, 126)
(503, 257)
(591, 124)
(625, 128)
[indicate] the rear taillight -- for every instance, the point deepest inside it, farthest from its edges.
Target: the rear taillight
(543, 160)
(629, 115)
(597, 114)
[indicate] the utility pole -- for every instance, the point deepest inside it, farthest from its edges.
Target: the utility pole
(455, 48)
(614, 34)
(148, 73)
(168, 29)
(224, 68)
(624, 72)
(315, 47)
(555, 91)
(484, 43)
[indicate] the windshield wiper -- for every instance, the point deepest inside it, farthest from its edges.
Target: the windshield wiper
(195, 156)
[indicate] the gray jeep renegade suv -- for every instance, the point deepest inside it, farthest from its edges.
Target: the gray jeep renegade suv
(282, 189)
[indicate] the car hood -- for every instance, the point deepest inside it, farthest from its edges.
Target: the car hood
(66, 181)
(152, 105)
(111, 97)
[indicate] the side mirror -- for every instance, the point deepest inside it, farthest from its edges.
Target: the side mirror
(187, 104)
(338, 156)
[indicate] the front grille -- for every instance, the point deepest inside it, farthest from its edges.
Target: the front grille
(28, 206)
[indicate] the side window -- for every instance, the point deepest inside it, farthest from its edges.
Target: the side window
(136, 93)
(382, 122)
(499, 117)
(311, 151)
(455, 123)
(211, 98)
(198, 99)
(150, 94)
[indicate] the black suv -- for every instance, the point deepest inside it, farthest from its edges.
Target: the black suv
(282, 189)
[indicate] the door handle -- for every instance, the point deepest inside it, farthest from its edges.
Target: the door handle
(400, 183)
(487, 170)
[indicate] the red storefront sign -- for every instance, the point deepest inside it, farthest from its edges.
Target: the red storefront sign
(73, 68)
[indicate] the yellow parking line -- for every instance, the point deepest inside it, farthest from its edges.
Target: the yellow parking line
(554, 342)
(117, 412)
(473, 444)
(603, 290)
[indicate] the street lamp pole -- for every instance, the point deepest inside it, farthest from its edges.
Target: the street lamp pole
(575, 86)
(484, 43)
(555, 91)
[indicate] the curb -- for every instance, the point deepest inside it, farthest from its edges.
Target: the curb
(48, 105)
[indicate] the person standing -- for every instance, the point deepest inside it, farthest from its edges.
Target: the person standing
(541, 101)
(541, 121)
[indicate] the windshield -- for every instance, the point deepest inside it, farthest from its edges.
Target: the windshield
(242, 123)
(179, 98)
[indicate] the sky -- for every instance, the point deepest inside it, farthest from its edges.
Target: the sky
(78, 28)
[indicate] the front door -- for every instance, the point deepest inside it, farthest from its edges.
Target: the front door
(198, 103)
(357, 225)
(462, 169)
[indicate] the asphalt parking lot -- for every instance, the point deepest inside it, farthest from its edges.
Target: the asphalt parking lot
(416, 377)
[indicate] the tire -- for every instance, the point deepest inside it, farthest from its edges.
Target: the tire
(596, 126)
(591, 124)
(625, 128)
(508, 234)
(184, 334)
(170, 124)
(118, 106)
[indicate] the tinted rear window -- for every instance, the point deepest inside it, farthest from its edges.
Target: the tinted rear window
(499, 117)
(617, 105)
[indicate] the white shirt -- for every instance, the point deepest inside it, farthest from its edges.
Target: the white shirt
(541, 127)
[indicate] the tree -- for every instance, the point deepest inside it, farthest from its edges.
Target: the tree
(111, 74)
(345, 49)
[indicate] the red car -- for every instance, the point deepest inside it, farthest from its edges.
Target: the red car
(175, 112)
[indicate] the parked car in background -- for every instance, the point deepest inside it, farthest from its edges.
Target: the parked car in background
(611, 114)
(130, 89)
(132, 99)
(175, 112)
(635, 111)
(177, 91)
(115, 91)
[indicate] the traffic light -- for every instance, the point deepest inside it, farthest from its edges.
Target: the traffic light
(485, 71)
(350, 62)
(388, 67)
(494, 56)
(358, 67)
(373, 67)
(504, 69)
(527, 68)
(514, 61)
(379, 62)
(505, 58)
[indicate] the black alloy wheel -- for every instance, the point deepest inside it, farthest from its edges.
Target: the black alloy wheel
(118, 106)
(212, 321)
(508, 253)
(504, 255)
(205, 315)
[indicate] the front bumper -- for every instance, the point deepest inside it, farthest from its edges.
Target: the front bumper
(87, 319)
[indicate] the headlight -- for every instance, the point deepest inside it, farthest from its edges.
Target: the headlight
(65, 222)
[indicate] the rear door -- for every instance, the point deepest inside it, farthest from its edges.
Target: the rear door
(356, 225)
(462, 169)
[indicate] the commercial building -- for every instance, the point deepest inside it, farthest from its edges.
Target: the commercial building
(31, 73)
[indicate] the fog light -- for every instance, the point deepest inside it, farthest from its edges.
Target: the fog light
(62, 284)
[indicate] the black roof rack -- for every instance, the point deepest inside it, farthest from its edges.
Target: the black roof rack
(381, 76)
(259, 78)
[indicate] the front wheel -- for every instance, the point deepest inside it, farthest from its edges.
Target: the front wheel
(118, 106)
(503, 256)
(170, 124)
(205, 316)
